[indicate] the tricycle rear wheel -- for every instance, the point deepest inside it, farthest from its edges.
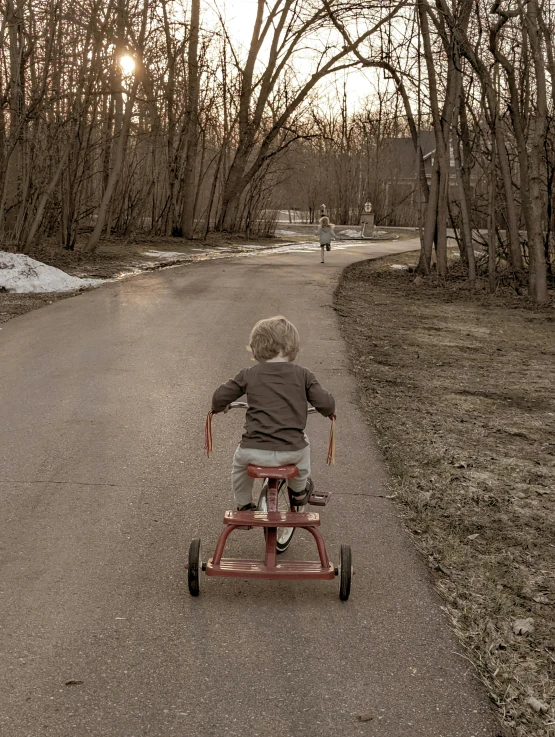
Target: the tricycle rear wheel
(345, 572)
(193, 570)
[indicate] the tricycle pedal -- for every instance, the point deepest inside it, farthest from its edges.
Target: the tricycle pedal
(319, 498)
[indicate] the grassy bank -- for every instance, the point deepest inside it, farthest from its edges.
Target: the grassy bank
(460, 389)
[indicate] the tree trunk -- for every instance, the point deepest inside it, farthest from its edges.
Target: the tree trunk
(115, 173)
(37, 220)
(465, 216)
(492, 224)
(538, 267)
(470, 52)
(188, 218)
(15, 161)
(437, 203)
(529, 156)
(515, 250)
(430, 221)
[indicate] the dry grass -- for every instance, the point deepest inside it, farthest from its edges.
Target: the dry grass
(13, 305)
(460, 389)
(116, 255)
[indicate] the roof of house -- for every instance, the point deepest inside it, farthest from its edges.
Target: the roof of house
(398, 156)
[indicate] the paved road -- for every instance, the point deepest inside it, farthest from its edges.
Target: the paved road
(104, 483)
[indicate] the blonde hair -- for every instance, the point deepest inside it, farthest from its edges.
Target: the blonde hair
(273, 336)
(324, 222)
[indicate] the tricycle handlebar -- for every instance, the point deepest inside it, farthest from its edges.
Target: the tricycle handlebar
(244, 405)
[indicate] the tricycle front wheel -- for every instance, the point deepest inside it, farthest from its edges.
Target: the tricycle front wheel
(284, 534)
(193, 570)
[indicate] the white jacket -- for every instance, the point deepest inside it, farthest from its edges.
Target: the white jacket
(326, 234)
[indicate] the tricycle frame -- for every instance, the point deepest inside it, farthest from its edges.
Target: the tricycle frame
(271, 520)
(269, 568)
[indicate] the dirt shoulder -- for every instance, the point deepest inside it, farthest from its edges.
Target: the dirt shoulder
(460, 390)
(121, 257)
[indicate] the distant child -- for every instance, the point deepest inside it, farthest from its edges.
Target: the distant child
(327, 234)
(278, 393)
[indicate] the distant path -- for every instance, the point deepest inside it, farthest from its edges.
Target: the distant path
(103, 484)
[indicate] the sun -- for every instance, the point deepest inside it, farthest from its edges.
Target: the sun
(127, 64)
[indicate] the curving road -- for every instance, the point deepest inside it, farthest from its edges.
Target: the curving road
(103, 483)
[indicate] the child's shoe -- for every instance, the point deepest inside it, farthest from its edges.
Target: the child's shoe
(250, 507)
(247, 507)
(300, 498)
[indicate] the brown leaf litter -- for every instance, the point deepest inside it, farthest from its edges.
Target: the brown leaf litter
(460, 389)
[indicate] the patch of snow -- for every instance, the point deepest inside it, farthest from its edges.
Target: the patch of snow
(288, 247)
(350, 233)
(286, 232)
(164, 254)
(401, 267)
(19, 273)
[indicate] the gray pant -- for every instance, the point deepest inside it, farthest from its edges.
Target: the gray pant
(242, 483)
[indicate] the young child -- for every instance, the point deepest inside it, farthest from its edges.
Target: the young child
(326, 233)
(278, 391)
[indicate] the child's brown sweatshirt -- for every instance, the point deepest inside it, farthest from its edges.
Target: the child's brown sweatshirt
(278, 395)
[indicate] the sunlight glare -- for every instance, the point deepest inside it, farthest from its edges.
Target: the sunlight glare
(127, 64)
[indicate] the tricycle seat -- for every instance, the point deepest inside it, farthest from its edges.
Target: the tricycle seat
(277, 472)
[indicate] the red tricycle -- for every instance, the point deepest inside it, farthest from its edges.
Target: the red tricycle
(279, 519)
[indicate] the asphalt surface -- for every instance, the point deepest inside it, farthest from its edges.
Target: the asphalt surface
(104, 482)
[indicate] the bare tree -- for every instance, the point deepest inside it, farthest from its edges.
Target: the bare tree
(284, 28)
(188, 221)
